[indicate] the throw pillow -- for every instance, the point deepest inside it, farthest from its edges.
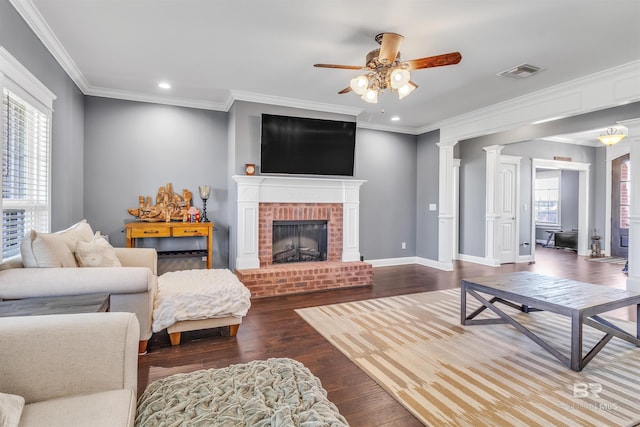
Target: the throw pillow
(96, 253)
(54, 249)
(11, 406)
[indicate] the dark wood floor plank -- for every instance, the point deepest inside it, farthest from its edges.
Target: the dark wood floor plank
(273, 329)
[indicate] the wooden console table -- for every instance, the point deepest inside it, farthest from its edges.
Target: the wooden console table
(143, 230)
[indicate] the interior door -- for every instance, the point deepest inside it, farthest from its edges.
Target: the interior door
(620, 191)
(508, 213)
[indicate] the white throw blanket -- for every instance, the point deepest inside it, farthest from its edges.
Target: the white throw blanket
(198, 294)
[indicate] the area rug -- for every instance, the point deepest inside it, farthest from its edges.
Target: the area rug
(447, 374)
(609, 260)
(275, 392)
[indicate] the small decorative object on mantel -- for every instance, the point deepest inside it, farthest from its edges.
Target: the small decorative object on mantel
(564, 159)
(169, 206)
(250, 169)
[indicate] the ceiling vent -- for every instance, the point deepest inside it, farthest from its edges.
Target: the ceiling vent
(521, 71)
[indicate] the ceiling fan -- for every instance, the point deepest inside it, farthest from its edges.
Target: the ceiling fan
(385, 70)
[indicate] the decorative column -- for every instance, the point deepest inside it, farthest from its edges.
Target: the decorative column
(351, 221)
(492, 208)
(633, 280)
(446, 200)
(247, 222)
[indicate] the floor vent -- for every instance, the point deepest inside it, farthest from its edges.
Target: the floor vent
(521, 71)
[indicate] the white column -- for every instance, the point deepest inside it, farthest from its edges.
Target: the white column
(633, 280)
(456, 208)
(446, 200)
(351, 222)
(492, 208)
(247, 223)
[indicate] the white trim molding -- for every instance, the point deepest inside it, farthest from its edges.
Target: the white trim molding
(18, 74)
(253, 190)
(583, 199)
(633, 280)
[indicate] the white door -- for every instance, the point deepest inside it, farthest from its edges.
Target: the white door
(507, 228)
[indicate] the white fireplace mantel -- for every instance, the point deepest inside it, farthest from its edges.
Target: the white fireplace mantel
(253, 190)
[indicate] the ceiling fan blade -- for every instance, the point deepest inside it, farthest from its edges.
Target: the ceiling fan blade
(434, 61)
(345, 90)
(389, 47)
(344, 67)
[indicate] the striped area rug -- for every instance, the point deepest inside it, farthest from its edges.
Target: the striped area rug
(447, 374)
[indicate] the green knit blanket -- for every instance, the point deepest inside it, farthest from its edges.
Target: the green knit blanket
(273, 392)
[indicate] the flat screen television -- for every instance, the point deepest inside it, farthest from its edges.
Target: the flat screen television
(296, 145)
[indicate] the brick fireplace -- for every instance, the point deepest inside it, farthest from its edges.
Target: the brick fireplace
(264, 199)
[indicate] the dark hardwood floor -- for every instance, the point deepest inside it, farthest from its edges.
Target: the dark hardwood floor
(273, 329)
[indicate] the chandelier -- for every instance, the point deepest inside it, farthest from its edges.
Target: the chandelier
(613, 135)
(394, 76)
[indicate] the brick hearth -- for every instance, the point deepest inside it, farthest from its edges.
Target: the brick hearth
(279, 279)
(304, 277)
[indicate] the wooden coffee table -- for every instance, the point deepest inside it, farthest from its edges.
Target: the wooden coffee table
(55, 305)
(528, 292)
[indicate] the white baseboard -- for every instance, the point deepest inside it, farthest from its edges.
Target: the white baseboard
(435, 264)
(524, 258)
(633, 284)
(479, 260)
(388, 262)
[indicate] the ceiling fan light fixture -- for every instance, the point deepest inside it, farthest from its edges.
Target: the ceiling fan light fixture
(406, 89)
(371, 96)
(359, 84)
(399, 78)
(385, 70)
(613, 135)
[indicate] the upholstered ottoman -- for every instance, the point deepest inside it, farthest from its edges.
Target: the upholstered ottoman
(189, 300)
(275, 392)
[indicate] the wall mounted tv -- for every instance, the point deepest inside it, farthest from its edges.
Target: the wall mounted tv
(296, 145)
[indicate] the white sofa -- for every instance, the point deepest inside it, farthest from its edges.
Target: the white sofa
(71, 369)
(132, 285)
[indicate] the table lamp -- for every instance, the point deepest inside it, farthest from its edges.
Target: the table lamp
(204, 195)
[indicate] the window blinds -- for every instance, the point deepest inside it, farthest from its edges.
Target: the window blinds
(25, 171)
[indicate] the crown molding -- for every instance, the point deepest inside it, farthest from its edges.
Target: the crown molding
(141, 97)
(614, 86)
(17, 73)
(294, 103)
(577, 96)
(385, 128)
(39, 26)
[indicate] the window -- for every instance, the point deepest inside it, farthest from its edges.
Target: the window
(25, 129)
(547, 198)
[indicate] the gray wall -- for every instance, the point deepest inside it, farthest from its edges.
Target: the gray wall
(388, 199)
(386, 160)
(67, 168)
(473, 182)
(541, 149)
(133, 148)
(427, 179)
(471, 239)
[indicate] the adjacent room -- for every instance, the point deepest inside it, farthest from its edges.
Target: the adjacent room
(286, 213)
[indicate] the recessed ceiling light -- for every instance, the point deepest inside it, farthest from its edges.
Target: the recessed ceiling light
(164, 85)
(395, 118)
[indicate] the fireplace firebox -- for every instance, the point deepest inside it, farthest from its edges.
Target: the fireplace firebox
(299, 241)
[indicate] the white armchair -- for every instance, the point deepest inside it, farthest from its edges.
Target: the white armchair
(72, 369)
